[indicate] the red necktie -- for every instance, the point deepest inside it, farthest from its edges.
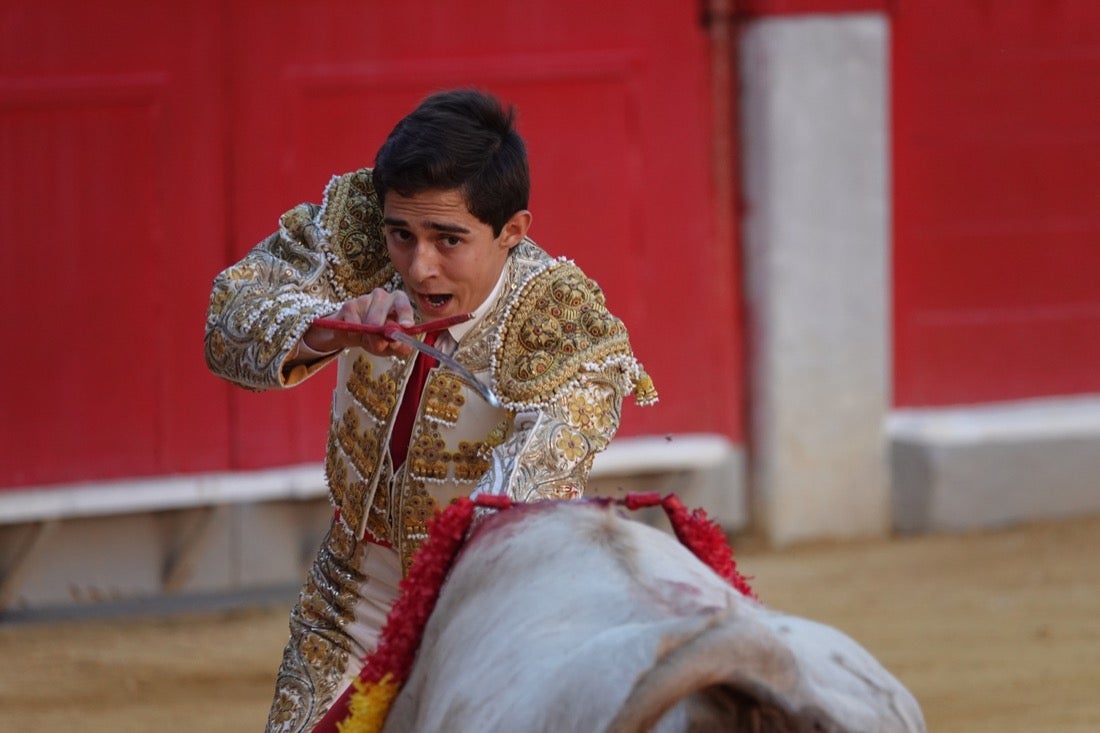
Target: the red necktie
(410, 401)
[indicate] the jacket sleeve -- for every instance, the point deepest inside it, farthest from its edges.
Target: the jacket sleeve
(320, 257)
(261, 306)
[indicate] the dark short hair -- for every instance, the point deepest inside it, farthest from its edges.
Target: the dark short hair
(458, 139)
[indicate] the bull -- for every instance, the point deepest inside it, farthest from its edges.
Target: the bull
(569, 616)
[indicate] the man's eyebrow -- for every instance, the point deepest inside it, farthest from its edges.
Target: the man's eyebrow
(448, 228)
(438, 226)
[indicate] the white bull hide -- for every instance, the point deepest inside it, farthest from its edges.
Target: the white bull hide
(570, 617)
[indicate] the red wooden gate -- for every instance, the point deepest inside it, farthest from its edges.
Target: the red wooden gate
(997, 181)
(140, 159)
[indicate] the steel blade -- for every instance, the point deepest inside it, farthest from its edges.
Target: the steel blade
(448, 361)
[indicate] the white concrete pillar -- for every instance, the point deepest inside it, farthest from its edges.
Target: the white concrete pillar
(814, 112)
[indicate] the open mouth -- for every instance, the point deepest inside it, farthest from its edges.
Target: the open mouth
(436, 300)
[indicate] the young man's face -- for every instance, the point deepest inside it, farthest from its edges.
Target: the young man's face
(448, 258)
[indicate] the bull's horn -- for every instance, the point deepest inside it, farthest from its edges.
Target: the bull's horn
(751, 670)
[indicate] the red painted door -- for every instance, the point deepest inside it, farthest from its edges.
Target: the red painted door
(114, 199)
(613, 105)
(997, 184)
(141, 159)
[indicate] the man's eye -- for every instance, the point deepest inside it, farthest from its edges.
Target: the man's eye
(451, 241)
(400, 235)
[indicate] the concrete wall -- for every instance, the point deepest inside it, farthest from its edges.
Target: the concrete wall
(177, 541)
(816, 232)
(990, 465)
(829, 457)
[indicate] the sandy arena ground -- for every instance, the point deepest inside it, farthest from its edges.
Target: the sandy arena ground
(994, 631)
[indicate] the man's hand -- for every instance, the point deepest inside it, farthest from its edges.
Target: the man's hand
(375, 309)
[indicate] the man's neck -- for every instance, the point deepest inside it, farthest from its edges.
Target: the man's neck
(457, 332)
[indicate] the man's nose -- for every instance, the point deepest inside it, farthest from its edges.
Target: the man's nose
(424, 263)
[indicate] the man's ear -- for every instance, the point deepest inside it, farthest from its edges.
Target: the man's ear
(515, 229)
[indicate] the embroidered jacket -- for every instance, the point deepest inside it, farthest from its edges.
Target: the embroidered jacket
(559, 361)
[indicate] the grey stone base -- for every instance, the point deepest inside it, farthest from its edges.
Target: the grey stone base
(992, 465)
(149, 543)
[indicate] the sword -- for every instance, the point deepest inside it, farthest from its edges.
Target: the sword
(403, 335)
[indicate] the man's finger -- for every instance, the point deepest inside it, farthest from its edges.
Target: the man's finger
(402, 308)
(381, 305)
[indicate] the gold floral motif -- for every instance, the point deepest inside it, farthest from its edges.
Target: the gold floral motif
(570, 446)
(597, 324)
(571, 289)
(377, 396)
(241, 271)
(496, 437)
(541, 332)
(320, 648)
(362, 449)
(342, 544)
(530, 367)
(297, 220)
(476, 348)
(428, 454)
(266, 351)
(315, 649)
(353, 216)
(557, 324)
(498, 434)
(378, 516)
(468, 461)
(216, 346)
(336, 472)
(443, 398)
(418, 509)
(219, 298)
(289, 703)
(587, 414)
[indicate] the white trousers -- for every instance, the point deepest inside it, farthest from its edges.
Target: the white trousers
(336, 623)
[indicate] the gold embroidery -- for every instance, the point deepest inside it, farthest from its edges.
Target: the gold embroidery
(587, 414)
(216, 345)
(377, 396)
(573, 290)
(241, 271)
(363, 450)
(477, 347)
(443, 398)
(378, 516)
(427, 455)
(496, 437)
(644, 391)
(417, 510)
(542, 333)
(320, 647)
(558, 323)
(353, 218)
(336, 473)
(570, 446)
(468, 461)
